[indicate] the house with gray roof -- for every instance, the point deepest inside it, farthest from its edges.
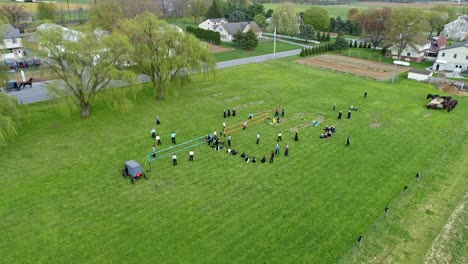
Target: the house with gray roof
(453, 58)
(227, 30)
(456, 30)
(212, 23)
(12, 45)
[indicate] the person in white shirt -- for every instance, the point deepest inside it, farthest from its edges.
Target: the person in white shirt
(279, 137)
(191, 153)
(174, 159)
(158, 139)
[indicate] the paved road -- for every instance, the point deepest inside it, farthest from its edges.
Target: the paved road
(39, 91)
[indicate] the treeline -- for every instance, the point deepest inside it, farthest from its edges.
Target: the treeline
(205, 35)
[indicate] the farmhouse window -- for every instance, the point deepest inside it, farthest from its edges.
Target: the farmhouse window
(466, 57)
(443, 54)
(408, 54)
(454, 56)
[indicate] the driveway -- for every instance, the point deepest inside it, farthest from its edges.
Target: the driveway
(39, 91)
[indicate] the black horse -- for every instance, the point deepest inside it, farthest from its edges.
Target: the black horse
(28, 83)
(432, 96)
(451, 105)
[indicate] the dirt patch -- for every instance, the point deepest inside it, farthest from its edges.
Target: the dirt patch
(361, 67)
(216, 48)
(428, 114)
(232, 99)
(376, 125)
(319, 118)
(447, 87)
(250, 104)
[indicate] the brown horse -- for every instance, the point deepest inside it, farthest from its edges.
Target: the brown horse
(28, 83)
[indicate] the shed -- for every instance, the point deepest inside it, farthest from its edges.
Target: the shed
(419, 75)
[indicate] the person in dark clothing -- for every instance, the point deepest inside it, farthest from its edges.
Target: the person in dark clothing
(229, 140)
(296, 137)
(365, 94)
(229, 112)
(254, 159)
(233, 112)
(263, 159)
(173, 135)
(272, 156)
(243, 155)
(191, 153)
(258, 138)
(153, 133)
(334, 106)
(339, 115)
(224, 113)
(286, 151)
(158, 122)
(282, 112)
(348, 141)
(349, 114)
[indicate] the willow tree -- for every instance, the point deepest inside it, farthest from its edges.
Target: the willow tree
(87, 63)
(164, 52)
(9, 116)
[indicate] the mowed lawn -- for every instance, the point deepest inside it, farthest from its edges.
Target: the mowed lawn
(64, 199)
(264, 47)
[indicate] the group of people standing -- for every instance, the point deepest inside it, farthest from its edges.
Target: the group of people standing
(228, 112)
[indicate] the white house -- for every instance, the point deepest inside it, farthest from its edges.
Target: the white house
(12, 45)
(456, 30)
(453, 58)
(227, 30)
(212, 23)
(419, 75)
(409, 53)
(68, 34)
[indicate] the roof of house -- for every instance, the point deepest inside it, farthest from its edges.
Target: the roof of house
(232, 28)
(68, 34)
(217, 20)
(424, 72)
(461, 44)
(9, 32)
(441, 41)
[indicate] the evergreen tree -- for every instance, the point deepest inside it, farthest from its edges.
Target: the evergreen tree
(328, 37)
(214, 11)
(318, 37)
(355, 44)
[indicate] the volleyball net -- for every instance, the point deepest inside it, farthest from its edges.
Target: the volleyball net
(256, 118)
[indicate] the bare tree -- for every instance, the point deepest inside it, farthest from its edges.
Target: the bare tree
(14, 13)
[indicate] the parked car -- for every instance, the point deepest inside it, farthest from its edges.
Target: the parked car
(21, 64)
(29, 62)
(11, 65)
(37, 62)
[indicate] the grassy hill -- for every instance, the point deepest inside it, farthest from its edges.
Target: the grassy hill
(64, 199)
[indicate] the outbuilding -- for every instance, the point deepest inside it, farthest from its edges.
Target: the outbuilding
(419, 75)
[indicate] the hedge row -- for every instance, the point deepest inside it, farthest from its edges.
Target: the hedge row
(205, 35)
(316, 50)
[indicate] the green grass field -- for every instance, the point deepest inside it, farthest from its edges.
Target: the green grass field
(342, 10)
(64, 199)
(264, 47)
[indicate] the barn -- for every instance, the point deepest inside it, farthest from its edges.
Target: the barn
(419, 75)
